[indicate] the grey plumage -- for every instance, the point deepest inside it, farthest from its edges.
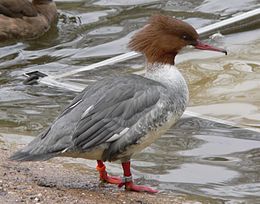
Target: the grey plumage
(103, 110)
(119, 108)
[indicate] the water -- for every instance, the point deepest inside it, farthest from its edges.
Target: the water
(195, 158)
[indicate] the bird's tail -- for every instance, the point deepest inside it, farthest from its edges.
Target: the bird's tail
(32, 153)
(27, 156)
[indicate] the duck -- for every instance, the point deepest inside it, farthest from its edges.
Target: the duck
(119, 116)
(23, 19)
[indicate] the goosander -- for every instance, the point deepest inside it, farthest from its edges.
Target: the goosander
(119, 116)
(22, 19)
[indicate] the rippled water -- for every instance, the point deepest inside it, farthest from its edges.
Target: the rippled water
(197, 157)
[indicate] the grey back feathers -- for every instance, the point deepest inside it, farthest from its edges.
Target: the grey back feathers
(121, 107)
(117, 111)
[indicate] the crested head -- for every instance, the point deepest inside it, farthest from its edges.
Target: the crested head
(163, 38)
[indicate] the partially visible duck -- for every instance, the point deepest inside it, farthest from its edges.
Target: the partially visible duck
(22, 19)
(119, 116)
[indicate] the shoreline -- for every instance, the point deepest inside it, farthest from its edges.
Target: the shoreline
(54, 182)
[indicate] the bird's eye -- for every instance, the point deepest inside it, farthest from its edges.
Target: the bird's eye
(184, 37)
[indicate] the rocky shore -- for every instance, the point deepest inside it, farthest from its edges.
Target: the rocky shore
(53, 182)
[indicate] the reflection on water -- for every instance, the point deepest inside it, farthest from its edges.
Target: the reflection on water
(205, 158)
(193, 174)
(195, 157)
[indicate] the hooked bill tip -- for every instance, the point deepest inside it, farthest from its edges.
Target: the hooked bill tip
(225, 52)
(203, 46)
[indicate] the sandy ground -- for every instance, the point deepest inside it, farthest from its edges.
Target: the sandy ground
(52, 182)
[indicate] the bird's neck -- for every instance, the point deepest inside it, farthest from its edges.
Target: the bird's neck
(161, 57)
(170, 77)
(166, 74)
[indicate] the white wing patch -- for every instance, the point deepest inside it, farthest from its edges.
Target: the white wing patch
(86, 111)
(65, 150)
(75, 104)
(117, 136)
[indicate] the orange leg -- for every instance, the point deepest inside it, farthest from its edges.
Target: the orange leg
(128, 182)
(104, 176)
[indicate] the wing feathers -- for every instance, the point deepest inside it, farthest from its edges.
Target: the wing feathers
(119, 108)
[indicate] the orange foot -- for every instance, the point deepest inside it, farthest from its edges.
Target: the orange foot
(104, 177)
(125, 181)
(130, 186)
(111, 179)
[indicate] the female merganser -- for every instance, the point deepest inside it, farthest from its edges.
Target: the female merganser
(21, 19)
(119, 116)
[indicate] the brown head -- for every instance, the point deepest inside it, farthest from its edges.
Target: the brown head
(164, 37)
